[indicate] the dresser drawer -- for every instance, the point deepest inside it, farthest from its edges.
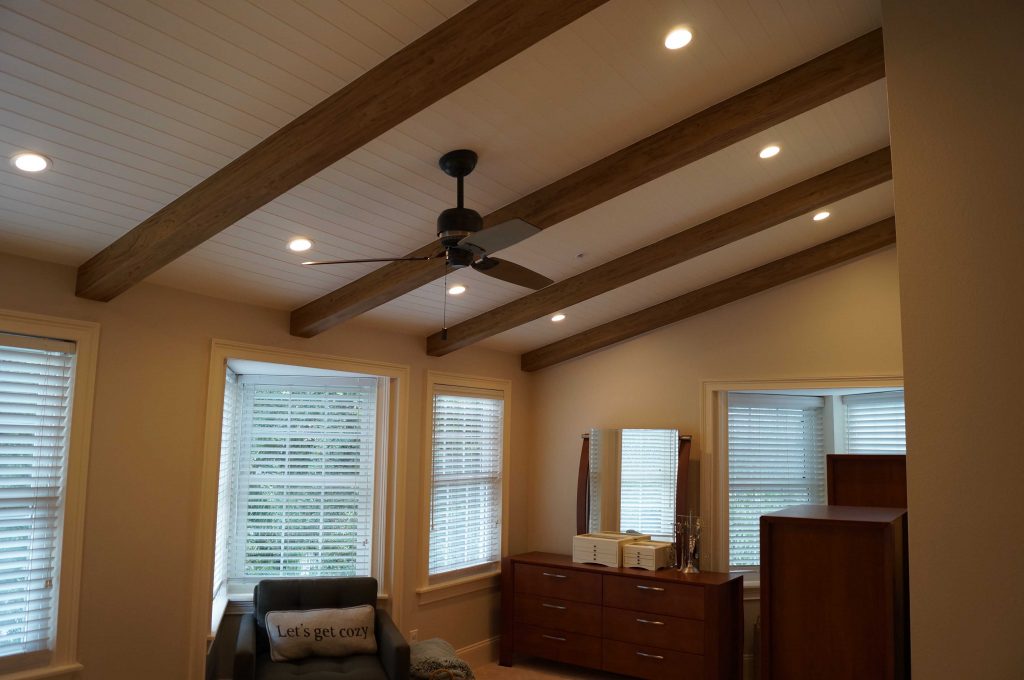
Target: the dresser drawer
(548, 612)
(659, 597)
(669, 632)
(564, 584)
(558, 645)
(645, 661)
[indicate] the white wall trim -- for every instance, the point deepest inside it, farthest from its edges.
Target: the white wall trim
(714, 464)
(432, 592)
(480, 653)
(748, 665)
(394, 514)
(86, 336)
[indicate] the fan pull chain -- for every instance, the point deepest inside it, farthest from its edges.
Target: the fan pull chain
(444, 305)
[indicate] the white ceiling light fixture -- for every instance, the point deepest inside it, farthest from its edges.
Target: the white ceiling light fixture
(679, 36)
(821, 215)
(30, 162)
(299, 245)
(558, 317)
(457, 289)
(769, 151)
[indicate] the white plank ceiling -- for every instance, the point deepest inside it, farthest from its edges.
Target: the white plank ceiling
(136, 101)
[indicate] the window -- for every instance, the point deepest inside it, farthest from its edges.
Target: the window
(776, 451)
(875, 423)
(466, 479)
(45, 413)
(776, 459)
(298, 478)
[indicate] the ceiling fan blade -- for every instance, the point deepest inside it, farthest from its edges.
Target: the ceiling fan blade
(499, 236)
(377, 259)
(511, 272)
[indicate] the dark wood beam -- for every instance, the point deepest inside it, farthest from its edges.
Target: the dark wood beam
(829, 254)
(485, 34)
(796, 91)
(799, 199)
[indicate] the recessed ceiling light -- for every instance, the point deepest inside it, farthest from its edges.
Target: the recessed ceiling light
(558, 317)
(769, 151)
(457, 289)
(678, 37)
(30, 162)
(822, 215)
(299, 245)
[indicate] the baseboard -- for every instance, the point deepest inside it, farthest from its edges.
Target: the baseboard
(748, 667)
(479, 653)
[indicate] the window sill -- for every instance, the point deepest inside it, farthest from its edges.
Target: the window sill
(463, 586)
(751, 588)
(66, 670)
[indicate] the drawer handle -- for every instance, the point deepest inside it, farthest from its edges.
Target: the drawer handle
(553, 606)
(557, 639)
(656, 657)
(548, 573)
(651, 588)
(652, 623)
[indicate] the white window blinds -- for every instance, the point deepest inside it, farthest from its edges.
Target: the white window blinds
(466, 465)
(647, 482)
(776, 459)
(304, 478)
(36, 382)
(595, 481)
(875, 423)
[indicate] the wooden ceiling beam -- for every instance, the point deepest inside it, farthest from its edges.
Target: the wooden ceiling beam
(464, 47)
(831, 75)
(799, 199)
(829, 254)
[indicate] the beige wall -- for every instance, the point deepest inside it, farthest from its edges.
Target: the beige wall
(146, 454)
(843, 322)
(956, 96)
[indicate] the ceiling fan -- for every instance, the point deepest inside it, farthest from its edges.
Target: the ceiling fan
(462, 240)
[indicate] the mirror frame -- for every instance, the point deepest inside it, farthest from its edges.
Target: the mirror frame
(583, 481)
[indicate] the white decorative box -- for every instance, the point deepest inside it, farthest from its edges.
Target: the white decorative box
(603, 547)
(649, 555)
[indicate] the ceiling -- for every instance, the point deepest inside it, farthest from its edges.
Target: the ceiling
(137, 101)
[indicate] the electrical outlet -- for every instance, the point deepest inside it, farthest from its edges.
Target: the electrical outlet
(414, 635)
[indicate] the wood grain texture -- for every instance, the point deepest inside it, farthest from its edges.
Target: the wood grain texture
(867, 479)
(683, 625)
(801, 198)
(461, 49)
(828, 254)
(796, 91)
(834, 594)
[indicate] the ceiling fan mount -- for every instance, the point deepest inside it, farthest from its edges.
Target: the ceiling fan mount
(455, 224)
(463, 240)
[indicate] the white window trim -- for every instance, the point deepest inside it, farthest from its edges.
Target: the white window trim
(203, 626)
(86, 336)
(428, 591)
(714, 463)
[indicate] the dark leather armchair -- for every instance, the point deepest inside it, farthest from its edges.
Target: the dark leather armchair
(252, 653)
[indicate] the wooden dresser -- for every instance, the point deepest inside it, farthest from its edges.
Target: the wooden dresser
(834, 594)
(647, 624)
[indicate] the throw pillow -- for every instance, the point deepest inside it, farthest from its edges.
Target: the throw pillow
(321, 632)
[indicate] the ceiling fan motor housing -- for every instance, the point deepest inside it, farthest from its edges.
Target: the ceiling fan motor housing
(455, 224)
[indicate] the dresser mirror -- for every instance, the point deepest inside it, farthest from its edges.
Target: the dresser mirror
(632, 479)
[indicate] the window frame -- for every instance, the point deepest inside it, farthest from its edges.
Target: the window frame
(714, 463)
(206, 614)
(85, 335)
(440, 587)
